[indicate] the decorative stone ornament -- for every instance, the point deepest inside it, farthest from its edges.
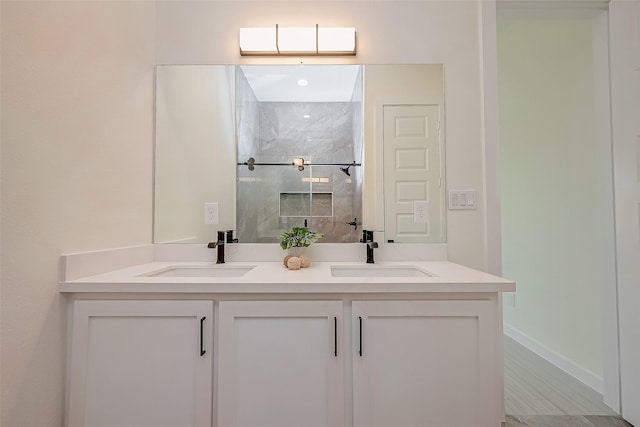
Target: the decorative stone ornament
(294, 263)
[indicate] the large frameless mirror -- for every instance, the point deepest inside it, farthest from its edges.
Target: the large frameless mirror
(338, 148)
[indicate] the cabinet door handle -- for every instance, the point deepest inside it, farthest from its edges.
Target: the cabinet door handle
(335, 336)
(202, 350)
(360, 336)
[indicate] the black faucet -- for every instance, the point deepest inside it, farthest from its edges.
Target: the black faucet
(367, 238)
(230, 238)
(220, 245)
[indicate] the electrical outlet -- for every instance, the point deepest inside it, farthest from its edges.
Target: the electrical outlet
(211, 213)
(420, 211)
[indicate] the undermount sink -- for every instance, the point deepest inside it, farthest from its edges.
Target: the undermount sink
(377, 271)
(202, 271)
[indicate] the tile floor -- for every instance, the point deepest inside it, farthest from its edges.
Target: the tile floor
(566, 421)
(538, 394)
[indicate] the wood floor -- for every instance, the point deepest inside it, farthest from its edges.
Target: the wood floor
(539, 394)
(566, 421)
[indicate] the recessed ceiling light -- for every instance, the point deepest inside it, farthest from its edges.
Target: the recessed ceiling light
(306, 116)
(302, 82)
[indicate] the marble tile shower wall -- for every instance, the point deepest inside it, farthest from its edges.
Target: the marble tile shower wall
(247, 117)
(247, 130)
(285, 132)
(358, 140)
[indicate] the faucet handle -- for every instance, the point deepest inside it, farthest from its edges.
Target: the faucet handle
(367, 236)
(230, 238)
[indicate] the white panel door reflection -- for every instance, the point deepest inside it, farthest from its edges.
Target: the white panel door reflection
(412, 172)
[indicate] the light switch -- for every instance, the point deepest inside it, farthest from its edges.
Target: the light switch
(462, 199)
(471, 199)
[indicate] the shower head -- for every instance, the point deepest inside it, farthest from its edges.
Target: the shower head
(346, 169)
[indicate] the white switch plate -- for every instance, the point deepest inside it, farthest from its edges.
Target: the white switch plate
(211, 213)
(462, 199)
(420, 211)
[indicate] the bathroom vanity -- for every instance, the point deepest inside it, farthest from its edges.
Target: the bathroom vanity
(159, 339)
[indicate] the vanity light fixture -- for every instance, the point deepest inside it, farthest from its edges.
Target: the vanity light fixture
(305, 41)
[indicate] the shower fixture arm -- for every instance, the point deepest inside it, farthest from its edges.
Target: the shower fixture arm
(354, 223)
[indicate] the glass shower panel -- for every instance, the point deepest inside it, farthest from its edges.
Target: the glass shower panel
(260, 201)
(275, 197)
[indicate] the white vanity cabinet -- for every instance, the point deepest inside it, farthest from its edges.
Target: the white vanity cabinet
(426, 363)
(281, 348)
(281, 363)
(141, 364)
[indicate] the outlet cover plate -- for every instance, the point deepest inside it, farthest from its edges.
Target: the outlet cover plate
(462, 199)
(211, 213)
(420, 211)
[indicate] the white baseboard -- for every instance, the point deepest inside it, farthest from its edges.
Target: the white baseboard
(570, 367)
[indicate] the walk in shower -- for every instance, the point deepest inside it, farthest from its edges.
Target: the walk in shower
(299, 151)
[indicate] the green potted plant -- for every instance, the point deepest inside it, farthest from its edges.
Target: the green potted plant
(294, 241)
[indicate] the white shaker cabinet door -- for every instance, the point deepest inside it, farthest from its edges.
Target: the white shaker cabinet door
(425, 364)
(141, 364)
(280, 364)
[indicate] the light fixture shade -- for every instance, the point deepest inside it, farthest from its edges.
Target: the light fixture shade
(258, 41)
(338, 40)
(297, 40)
(306, 41)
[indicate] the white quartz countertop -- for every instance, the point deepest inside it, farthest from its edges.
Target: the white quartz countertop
(273, 277)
